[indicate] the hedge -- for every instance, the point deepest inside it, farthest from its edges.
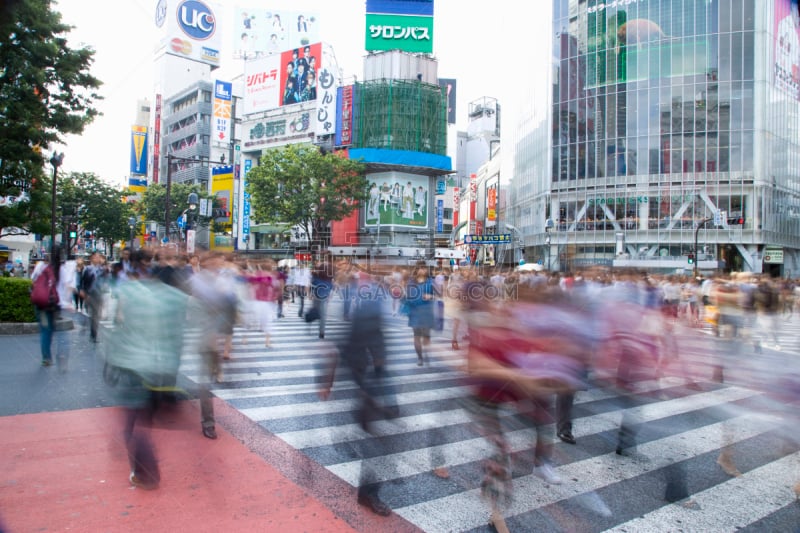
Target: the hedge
(15, 300)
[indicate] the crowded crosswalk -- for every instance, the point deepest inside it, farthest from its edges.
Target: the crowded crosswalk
(684, 427)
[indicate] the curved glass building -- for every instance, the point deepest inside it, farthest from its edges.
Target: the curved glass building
(673, 130)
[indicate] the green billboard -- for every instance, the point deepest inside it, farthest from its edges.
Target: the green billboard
(399, 32)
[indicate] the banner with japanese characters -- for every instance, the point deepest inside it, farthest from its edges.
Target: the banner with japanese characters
(326, 101)
(399, 32)
(222, 113)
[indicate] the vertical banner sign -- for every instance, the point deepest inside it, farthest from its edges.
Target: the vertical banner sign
(456, 205)
(139, 150)
(473, 198)
(344, 116)
(441, 186)
(439, 215)
(190, 238)
(448, 86)
(491, 212)
(248, 163)
(326, 101)
(222, 112)
(157, 138)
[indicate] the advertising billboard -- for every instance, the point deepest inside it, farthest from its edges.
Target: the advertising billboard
(786, 71)
(292, 126)
(448, 86)
(191, 30)
(401, 7)
(399, 32)
(630, 42)
(282, 79)
(223, 98)
(344, 116)
(139, 150)
(222, 189)
(263, 32)
(397, 199)
(326, 103)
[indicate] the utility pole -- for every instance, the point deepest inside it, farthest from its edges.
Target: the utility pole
(696, 232)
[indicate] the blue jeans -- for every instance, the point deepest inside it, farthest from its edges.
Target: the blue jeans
(47, 328)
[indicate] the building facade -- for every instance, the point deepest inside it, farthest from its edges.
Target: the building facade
(672, 131)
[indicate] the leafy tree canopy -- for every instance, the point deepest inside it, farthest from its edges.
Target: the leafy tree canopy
(299, 185)
(153, 203)
(46, 92)
(94, 206)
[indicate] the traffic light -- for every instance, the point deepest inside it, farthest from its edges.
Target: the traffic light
(73, 231)
(736, 221)
(690, 258)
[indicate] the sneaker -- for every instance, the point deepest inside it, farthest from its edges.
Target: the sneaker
(138, 483)
(210, 433)
(567, 436)
(47, 362)
(594, 503)
(547, 473)
(374, 504)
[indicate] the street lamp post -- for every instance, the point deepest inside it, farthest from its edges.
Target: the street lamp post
(547, 245)
(56, 159)
(131, 225)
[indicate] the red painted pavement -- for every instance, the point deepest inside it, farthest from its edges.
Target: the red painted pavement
(68, 471)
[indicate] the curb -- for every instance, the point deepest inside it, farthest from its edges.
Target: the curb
(31, 328)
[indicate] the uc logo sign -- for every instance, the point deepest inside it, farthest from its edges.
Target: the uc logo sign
(196, 19)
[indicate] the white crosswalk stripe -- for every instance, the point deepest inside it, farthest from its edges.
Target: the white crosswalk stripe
(276, 387)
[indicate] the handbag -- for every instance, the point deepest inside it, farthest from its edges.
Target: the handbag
(44, 294)
(312, 315)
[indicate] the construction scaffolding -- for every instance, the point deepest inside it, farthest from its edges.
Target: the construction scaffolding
(400, 115)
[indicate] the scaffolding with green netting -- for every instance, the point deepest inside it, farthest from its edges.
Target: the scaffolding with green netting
(400, 115)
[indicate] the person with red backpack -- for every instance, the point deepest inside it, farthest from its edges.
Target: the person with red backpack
(45, 299)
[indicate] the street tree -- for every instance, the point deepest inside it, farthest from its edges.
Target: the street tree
(46, 92)
(153, 203)
(299, 185)
(93, 205)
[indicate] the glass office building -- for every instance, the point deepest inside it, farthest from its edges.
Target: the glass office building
(672, 124)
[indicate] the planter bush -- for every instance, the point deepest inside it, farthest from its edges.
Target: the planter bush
(15, 300)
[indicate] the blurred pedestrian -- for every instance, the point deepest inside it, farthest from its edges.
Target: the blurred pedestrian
(362, 347)
(213, 305)
(266, 288)
(321, 288)
(143, 354)
(302, 283)
(92, 288)
(419, 297)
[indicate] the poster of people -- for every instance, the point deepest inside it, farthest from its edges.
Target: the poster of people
(397, 199)
(786, 72)
(263, 32)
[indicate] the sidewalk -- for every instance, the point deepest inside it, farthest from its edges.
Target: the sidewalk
(67, 470)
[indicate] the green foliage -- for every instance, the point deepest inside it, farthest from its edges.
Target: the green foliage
(95, 206)
(299, 185)
(153, 203)
(15, 300)
(46, 92)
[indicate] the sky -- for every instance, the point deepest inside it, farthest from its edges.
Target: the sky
(490, 51)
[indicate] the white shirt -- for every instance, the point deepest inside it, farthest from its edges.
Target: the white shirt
(302, 277)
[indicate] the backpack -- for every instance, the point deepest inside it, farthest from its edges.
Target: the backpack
(44, 294)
